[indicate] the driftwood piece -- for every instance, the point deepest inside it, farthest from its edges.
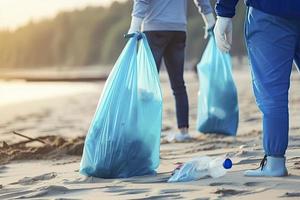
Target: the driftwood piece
(28, 138)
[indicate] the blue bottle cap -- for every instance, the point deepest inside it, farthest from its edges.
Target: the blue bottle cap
(227, 164)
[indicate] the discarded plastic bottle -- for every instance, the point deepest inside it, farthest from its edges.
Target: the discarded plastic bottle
(201, 167)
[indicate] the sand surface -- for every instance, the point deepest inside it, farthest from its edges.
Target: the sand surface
(60, 113)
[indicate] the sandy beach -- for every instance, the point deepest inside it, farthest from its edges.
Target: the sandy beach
(59, 113)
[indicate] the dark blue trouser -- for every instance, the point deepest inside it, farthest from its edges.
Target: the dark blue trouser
(170, 45)
(273, 43)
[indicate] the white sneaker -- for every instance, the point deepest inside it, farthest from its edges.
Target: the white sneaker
(269, 166)
(179, 137)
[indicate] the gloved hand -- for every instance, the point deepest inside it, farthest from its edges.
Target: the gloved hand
(135, 25)
(209, 21)
(223, 33)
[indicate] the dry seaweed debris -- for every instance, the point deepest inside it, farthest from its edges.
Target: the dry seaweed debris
(52, 147)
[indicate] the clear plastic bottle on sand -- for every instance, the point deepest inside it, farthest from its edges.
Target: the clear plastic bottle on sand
(201, 167)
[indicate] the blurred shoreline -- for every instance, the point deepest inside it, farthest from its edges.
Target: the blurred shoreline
(87, 73)
(64, 74)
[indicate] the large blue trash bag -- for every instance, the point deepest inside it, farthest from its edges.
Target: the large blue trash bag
(124, 136)
(217, 98)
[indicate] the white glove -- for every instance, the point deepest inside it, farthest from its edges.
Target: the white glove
(209, 21)
(223, 33)
(135, 25)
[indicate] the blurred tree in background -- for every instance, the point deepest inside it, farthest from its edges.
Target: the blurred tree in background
(93, 36)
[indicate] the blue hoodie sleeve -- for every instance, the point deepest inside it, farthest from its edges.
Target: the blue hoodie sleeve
(140, 8)
(226, 8)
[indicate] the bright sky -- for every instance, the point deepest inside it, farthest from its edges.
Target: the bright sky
(14, 13)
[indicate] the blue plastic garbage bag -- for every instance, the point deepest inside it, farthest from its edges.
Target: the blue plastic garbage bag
(217, 98)
(124, 136)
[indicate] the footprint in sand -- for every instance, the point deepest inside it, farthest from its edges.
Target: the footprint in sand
(251, 119)
(13, 193)
(171, 191)
(135, 191)
(221, 183)
(296, 161)
(161, 178)
(83, 180)
(229, 192)
(3, 168)
(53, 189)
(42, 192)
(294, 158)
(125, 191)
(295, 128)
(162, 197)
(32, 180)
(116, 189)
(296, 165)
(251, 184)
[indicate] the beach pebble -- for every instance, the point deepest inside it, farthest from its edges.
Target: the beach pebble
(244, 146)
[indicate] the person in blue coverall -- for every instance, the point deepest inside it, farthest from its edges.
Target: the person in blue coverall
(272, 31)
(165, 24)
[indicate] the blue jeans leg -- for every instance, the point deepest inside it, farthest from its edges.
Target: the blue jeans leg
(174, 60)
(170, 45)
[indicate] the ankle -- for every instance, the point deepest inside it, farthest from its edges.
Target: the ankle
(184, 130)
